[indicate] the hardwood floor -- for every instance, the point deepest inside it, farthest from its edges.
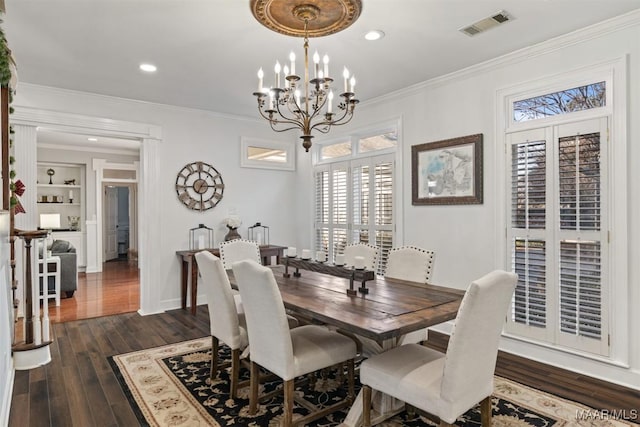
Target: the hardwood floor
(113, 291)
(78, 387)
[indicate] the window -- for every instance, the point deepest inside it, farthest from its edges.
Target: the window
(558, 234)
(565, 101)
(263, 154)
(354, 198)
(378, 142)
(335, 151)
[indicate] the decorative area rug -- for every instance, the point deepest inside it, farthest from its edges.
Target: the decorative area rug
(170, 386)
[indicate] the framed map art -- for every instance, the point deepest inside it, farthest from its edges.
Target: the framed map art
(447, 172)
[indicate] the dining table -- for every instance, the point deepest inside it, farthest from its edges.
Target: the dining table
(389, 310)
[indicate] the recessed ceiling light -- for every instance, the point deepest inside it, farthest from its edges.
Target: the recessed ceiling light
(92, 139)
(374, 35)
(149, 68)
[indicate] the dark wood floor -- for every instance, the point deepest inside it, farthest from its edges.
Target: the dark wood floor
(78, 387)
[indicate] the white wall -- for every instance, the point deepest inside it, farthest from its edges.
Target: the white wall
(464, 103)
(187, 136)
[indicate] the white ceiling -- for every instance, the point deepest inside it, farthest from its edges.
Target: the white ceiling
(208, 51)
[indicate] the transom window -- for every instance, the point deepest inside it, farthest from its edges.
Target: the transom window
(561, 102)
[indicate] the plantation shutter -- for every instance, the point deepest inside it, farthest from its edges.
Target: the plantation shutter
(581, 250)
(383, 210)
(321, 178)
(354, 204)
(557, 238)
(361, 192)
(527, 237)
(339, 207)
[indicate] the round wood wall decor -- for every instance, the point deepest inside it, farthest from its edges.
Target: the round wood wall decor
(199, 186)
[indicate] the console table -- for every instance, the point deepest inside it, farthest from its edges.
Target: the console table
(188, 262)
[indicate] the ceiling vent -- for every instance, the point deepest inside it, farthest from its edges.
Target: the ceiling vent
(487, 23)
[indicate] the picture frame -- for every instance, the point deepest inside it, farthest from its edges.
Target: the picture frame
(447, 172)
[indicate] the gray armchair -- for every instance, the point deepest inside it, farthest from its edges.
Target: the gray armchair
(68, 266)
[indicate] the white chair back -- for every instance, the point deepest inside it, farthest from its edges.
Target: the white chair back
(473, 347)
(238, 250)
(266, 318)
(223, 314)
(410, 263)
(368, 252)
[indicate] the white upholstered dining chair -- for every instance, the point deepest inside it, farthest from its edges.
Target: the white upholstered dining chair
(368, 252)
(226, 316)
(284, 352)
(413, 264)
(238, 250)
(448, 384)
(410, 263)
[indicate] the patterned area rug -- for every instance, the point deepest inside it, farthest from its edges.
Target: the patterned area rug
(170, 386)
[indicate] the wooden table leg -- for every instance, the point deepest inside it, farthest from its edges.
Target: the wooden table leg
(194, 286)
(184, 284)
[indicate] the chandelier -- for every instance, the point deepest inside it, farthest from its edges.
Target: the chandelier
(306, 102)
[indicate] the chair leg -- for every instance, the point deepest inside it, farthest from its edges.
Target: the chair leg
(214, 357)
(411, 411)
(288, 403)
(485, 412)
(366, 406)
(254, 383)
(351, 379)
(235, 372)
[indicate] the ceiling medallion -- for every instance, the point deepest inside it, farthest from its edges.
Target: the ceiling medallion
(324, 17)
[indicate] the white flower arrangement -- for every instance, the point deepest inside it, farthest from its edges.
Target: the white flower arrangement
(232, 222)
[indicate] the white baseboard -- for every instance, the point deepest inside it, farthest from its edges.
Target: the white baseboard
(175, 303)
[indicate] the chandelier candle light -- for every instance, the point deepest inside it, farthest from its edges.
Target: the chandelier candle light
(305, 103)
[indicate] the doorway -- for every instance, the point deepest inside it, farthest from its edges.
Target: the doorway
(149, 136)
(119, 221)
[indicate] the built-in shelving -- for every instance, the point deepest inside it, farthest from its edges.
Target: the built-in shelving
(56, 196)
(64, 199)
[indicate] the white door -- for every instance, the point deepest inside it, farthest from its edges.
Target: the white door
(110, 223)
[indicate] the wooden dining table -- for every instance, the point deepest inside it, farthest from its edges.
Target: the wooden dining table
(390, 309)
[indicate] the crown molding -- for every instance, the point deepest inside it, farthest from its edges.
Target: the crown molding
(609, 26)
